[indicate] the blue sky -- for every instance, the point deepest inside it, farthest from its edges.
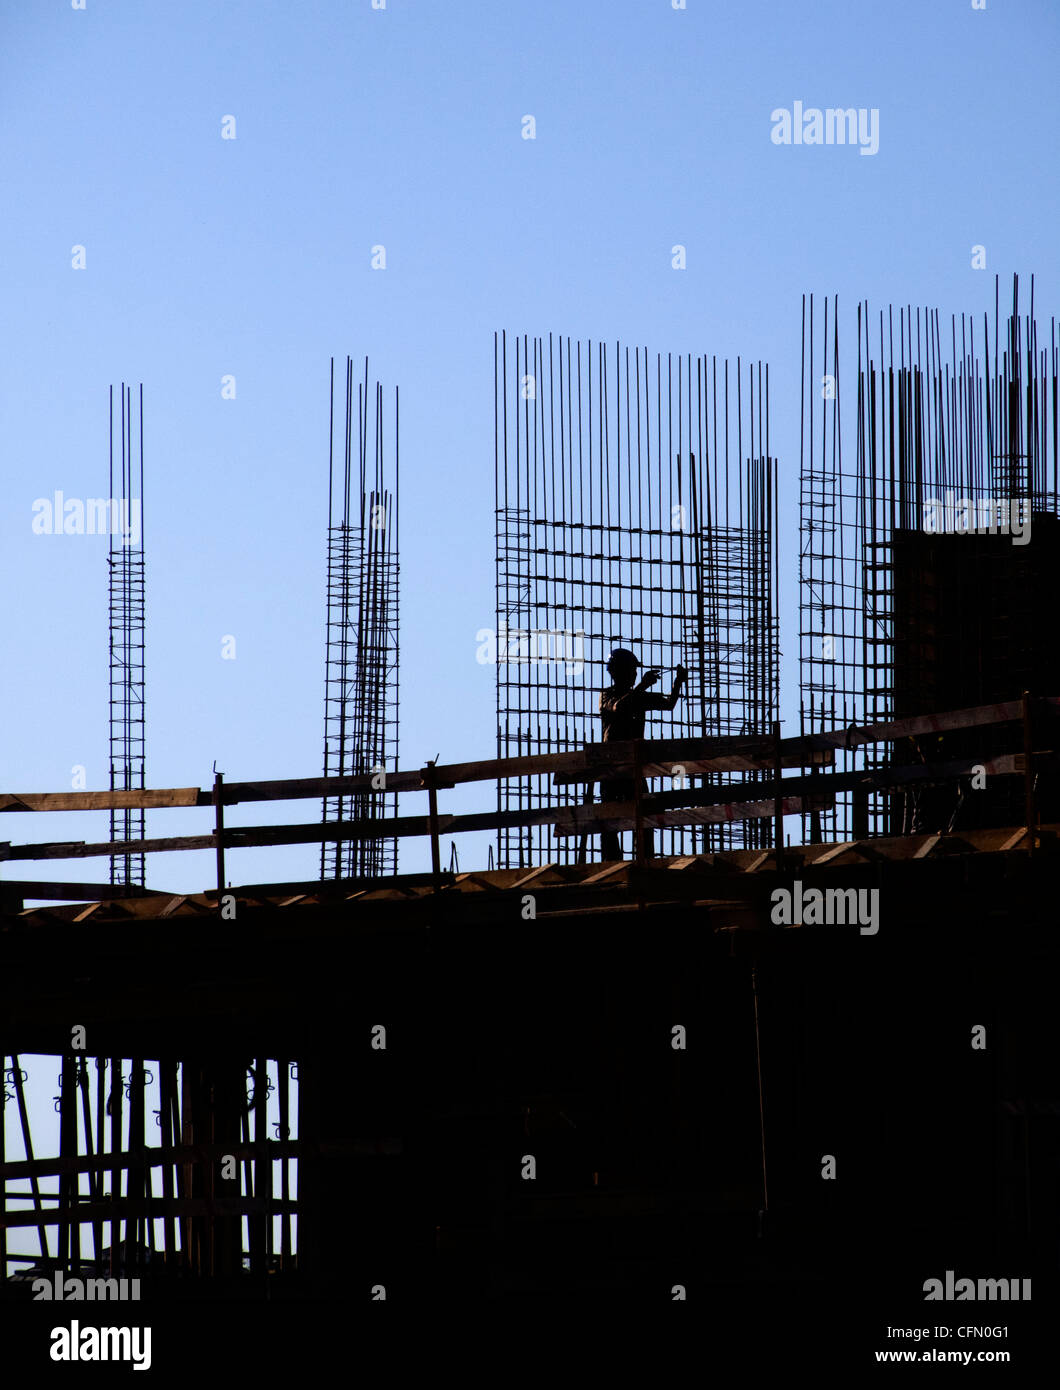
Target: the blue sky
(357, 126)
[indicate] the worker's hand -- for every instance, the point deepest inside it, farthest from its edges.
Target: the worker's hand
(681, 675)
(649, 678)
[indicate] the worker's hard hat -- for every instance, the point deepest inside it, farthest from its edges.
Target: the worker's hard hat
(620, 657)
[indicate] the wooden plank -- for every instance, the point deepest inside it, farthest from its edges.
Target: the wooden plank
(74, 892)
(802, 791)
(249, 837)
(78, 849)
(602, 757)
(607, 815)
(533, 875)
(329, 888)
(699, 767)
(608, 871)
(833, 853)
(925, 849)
(100, 801)
(970, 718)
(758, 861)
(595, 758)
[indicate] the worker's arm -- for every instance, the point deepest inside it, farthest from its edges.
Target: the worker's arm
(637, 698)
(666, 702)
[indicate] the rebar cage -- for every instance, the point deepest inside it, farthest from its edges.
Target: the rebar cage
(634, 508)
(901, 575)
(361, 682)
(126, 624)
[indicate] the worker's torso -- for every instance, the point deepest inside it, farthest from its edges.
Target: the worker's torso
(624, 723)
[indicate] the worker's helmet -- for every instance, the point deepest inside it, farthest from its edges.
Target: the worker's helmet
(621, 659)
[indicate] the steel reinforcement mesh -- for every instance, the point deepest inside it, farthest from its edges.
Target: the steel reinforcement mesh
(635, 504)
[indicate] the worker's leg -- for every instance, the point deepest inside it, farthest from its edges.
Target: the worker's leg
(647, 838)
(610, 843)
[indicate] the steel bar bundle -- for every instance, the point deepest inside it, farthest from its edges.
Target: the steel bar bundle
(125, 564)
(361, 681)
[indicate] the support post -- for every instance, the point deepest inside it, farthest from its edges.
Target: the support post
(1028, 772)
(778, 798)
(27, 1144)
(432, 817)
(117, 1095)
(3, 1160)
(69, 1245)
(860, 799)
(219, 832)
(638, 808)
(763, 1214)
(583, 843)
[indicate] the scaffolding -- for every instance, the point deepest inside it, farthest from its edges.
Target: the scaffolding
(361, 680)
(634, 508)
(111, 1185)
(125, 565)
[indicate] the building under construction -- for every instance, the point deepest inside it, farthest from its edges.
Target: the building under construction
(560, 1078)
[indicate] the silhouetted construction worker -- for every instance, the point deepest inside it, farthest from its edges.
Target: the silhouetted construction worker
(623, 707)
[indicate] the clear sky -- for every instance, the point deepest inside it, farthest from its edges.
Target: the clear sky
(251, 256)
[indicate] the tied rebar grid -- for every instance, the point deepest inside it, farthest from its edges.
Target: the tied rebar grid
(361, 682)
(938, 415)
(125, 564)
(629, 514)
